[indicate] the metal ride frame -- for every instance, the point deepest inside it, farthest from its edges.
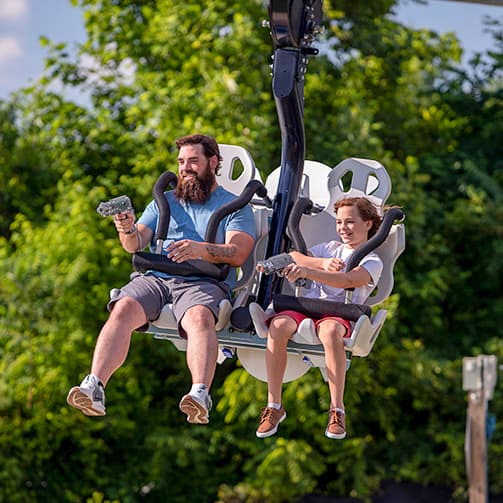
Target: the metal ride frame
(293, 25)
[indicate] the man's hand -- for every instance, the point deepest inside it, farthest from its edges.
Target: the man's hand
(186, 249)
(124, 222)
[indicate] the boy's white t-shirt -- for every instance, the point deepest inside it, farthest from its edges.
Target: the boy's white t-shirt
(334, 249)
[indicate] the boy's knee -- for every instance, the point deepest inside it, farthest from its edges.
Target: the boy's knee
(282, 327)
(331, 334)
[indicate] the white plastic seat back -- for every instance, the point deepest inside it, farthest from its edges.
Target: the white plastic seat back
(230, 176)
(313, 183)
(238, 169)
(388, 252)
(365, 178)
(247, 276)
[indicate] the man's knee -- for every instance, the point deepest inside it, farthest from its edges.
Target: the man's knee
(199, 317)
(127, 308)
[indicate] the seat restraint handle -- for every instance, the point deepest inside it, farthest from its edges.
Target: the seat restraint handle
(252, 187)
(163, 182)
(302, 206)
(378, 239)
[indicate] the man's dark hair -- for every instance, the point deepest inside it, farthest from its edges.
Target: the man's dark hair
(210, 146)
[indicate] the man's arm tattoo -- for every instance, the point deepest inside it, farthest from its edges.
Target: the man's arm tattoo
(219, 252)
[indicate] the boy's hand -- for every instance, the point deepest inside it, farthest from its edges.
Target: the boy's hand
(333, 264)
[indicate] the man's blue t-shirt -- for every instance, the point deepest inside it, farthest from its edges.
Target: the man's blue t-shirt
(189, 220)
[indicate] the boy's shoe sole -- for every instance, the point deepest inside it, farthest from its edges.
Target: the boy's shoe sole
(336, 436)
(78, 399)
(196, 413)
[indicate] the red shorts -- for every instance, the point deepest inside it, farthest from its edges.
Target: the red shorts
(298, 317)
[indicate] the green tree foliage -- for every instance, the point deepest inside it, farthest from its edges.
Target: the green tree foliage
(158, 69)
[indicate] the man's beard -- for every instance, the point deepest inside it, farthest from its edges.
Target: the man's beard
(196, 189)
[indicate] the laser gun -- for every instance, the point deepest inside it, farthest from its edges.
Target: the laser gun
(276, 263)
(114, 206)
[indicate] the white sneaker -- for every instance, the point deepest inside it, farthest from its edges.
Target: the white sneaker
(89, 397)
(196, 408)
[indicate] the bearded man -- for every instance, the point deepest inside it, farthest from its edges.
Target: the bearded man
(195, 299)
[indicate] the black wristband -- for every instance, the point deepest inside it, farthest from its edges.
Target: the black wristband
(132, 230)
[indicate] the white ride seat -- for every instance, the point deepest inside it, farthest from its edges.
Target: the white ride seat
(351, 178)
(310, 185)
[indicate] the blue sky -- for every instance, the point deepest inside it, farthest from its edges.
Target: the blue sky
(23, 21)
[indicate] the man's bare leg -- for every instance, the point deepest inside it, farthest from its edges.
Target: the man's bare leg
(202, 351)
(113, 342)
(202, 345)
(110, 353)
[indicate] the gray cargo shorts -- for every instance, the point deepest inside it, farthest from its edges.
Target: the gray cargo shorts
(153, 293)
